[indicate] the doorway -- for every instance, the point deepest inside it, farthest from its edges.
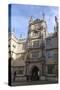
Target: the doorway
(35, 73)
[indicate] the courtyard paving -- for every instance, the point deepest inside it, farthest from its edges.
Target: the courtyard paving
(24, 83)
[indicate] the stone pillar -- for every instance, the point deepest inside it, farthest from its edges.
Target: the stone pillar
(43, 72)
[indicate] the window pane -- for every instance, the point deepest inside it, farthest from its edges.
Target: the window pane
(35, 54)
(14, 46)
(50, 69)
(19, 72)
(35, 43)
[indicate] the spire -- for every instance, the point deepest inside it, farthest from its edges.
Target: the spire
(43, 15)
(31, 19)
(20, 36)
(13, 30)
(56, 22)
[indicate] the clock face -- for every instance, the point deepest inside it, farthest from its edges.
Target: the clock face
(37, 26)
(32, 27)
(43, 24)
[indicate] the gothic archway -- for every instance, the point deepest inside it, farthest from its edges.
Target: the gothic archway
(35, 73)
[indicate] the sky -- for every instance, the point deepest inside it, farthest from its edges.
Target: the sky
(20, 15)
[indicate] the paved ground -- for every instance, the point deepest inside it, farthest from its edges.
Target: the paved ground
(23, 83)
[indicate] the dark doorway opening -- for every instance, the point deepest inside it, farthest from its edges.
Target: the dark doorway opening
(34, 74)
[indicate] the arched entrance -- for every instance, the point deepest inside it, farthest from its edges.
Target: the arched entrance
(35, 73)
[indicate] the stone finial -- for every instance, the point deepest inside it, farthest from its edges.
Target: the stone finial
(56, 22)
(20, 36)
(43, 15)
(13, 30)
(31, 19)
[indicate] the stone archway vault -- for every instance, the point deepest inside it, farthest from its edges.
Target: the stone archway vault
(35, 73)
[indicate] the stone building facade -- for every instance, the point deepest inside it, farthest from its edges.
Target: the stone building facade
(35, 58)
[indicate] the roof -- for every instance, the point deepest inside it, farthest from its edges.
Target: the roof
(37, 21)
(52, 35)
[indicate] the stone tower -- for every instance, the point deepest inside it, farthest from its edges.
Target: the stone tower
(35, 61)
